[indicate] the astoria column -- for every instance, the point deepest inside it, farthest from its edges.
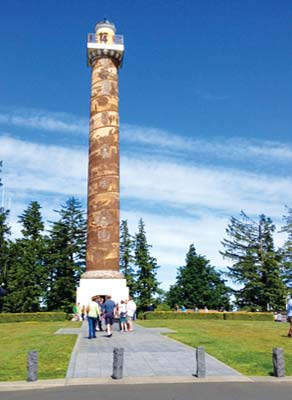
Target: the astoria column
(105, 55)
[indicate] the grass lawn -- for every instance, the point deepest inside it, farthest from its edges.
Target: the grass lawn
(54, 351)
(244, 345)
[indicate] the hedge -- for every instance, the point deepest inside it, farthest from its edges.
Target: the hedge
(247, 316)
(180, 315)
(28, 317)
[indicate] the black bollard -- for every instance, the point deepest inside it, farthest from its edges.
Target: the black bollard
(278, 362)
(32, 366)
(201, 362)
(118, 362)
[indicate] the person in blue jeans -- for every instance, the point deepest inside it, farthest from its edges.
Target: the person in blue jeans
(289, 316)
(109, 310)
(92, 310)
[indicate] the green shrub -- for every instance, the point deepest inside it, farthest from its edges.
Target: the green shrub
(163, 307)
(245, 316)
(180, 315)
(140, 315)
(249, 316)
(29, 317)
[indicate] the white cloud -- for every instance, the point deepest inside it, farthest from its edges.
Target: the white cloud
(44, 120)
(222, 148)
(228, 149)
(190, 187)
(37, 167)
(172, 235)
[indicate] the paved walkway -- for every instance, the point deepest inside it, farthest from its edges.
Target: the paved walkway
(147, 353)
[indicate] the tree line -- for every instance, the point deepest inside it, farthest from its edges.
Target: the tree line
(41, 269)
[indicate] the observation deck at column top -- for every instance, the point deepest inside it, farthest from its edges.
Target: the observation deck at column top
(105, 43)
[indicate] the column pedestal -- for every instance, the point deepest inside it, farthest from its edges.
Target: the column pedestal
(103, 285)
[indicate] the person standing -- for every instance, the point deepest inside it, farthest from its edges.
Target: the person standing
(131, 310)
(92, 315)
(123, 316)
(289, 316)
(75, 312)
(99, 301)
(79, 312)
(83, 313)
(109, 311)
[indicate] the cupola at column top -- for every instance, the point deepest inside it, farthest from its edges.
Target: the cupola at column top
(105, 24)
(104, 43)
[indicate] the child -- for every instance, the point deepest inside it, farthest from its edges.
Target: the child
(83, 313)
(123, 316)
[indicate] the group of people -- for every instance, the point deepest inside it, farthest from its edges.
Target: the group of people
(99, 310)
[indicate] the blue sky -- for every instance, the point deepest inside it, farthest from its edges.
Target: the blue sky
(205, 110)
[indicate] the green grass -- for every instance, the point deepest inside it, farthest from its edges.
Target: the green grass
(244, 345)
(54, 351)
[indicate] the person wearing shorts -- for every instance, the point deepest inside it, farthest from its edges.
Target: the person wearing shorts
(109, 311)
(123, 316)
(289, 316)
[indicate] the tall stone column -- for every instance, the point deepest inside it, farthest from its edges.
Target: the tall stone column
(102, 257)
(104, 54)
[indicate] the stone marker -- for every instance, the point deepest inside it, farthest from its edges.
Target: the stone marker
(118, 362)
(278, 362)
(32, 366)
(201, 362)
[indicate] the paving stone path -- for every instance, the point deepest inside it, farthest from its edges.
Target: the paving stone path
(147, 353)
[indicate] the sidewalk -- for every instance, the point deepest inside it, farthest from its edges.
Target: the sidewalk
(146, 354)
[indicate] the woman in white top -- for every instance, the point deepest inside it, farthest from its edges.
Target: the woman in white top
(131, 309)
(92, 310)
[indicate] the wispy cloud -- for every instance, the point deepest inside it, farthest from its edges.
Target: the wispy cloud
(211, 96)
(43, 120)
(36, 167)
(157, 140)
(190, 187)
(56, 169)
(172, 236)
(221, 148)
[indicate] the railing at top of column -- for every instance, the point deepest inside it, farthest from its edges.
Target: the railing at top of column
(117, 39)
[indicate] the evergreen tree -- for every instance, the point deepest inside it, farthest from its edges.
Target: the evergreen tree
(26, 272)
(198, 285)
(255, 263)
(126, 256)
(4, 248)
(4, 244)
(287, 250)
(146, 284)
(66, 256)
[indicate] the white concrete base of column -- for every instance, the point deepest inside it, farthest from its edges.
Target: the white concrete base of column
(117, 288)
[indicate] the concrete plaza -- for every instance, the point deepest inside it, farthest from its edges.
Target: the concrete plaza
(147, 353)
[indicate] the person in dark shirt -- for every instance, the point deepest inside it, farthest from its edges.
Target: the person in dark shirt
(109, 310)
(99, 319)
